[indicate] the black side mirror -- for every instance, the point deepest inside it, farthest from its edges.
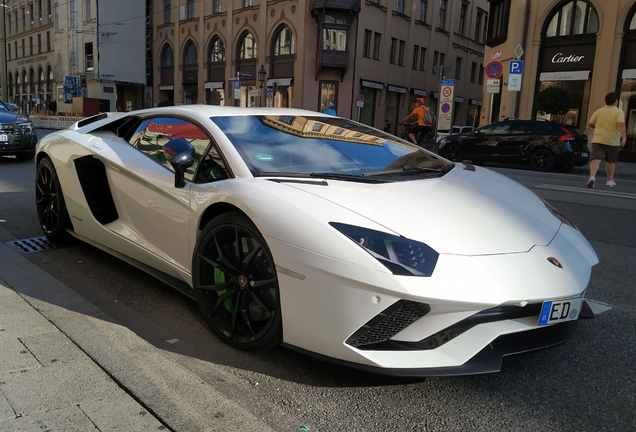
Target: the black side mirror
(180, 153)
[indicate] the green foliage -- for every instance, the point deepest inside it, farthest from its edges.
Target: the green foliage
(553, 100)
(165, 103)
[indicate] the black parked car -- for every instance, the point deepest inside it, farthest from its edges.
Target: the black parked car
(17, 134)
(544, 145)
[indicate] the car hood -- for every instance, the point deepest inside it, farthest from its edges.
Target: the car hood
(466, 212)
(7, 117)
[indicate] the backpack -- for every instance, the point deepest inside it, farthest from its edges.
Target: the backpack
(429, 116)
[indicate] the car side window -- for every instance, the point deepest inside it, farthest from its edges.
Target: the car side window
(524, 128)
(152, 134)
(495, 129)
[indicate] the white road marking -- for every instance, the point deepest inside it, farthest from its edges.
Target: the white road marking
(608, 193)
(597, 306)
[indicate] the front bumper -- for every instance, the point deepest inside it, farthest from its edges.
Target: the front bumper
(18, 143)
(488, 360)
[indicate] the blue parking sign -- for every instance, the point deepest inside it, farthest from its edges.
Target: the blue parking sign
(516, 67)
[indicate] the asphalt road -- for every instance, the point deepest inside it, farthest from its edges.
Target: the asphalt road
(588, 384)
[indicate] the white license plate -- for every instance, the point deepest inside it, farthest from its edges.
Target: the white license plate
(583, 154)
(4, 137)
(558, 311)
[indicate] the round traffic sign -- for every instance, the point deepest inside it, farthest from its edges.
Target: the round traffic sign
(494, 69)
(360, 97)
(446, 107)
(447, 91)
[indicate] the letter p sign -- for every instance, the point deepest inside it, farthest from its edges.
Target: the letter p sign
(516, 67)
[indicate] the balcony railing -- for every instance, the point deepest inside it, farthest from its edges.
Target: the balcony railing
(468, 44)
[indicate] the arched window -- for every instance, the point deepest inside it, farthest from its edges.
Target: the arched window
(632, 25)
(285, 43)
(217, 51)
(573, 18)
(167, 57)
(40, 79)
(247, 48)
(190, 54)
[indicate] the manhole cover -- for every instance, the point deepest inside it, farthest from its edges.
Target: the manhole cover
(30, 245)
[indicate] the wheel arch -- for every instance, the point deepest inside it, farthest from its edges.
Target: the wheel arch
(218, 209)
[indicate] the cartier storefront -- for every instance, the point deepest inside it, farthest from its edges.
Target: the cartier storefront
(567, 62)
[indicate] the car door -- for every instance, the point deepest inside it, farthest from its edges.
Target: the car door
(484, 141)
(512, 146)
(156, 214)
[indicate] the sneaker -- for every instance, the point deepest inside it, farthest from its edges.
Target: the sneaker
(610, 183)
(590, 183)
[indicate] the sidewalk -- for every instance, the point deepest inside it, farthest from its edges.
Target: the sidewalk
(67, 366)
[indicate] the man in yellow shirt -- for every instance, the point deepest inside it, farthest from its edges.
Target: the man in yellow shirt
(610, 135)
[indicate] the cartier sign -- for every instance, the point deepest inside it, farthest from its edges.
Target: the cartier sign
(568, 58)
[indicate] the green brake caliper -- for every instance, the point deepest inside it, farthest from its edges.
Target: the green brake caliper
(219, 277)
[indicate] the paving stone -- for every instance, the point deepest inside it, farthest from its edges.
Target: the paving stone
(52, 348)
(121, 413)
(6, 412)
(11, 302)
(55, 387)
(70, 419)
(24, 323)
(15, 356)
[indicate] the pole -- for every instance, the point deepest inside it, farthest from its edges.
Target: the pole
(513, 97)
(492, 101)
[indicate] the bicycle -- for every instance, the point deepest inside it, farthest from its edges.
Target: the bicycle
(426, 141)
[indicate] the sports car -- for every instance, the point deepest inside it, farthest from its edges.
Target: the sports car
(321, 234)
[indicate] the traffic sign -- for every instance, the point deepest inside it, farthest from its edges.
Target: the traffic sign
(445, 108)
(518, 51)
(494, 69)
(360, 97)
(492, 86)
(516, 67)
(237, 89)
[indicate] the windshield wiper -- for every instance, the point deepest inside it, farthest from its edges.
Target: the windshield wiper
(408, 168)
(339, 176)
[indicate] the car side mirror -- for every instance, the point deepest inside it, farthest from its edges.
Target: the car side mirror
(180, 153)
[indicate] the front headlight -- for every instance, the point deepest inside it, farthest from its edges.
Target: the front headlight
(26, 127)
(400, 255)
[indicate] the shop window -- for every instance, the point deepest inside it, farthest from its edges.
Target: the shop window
(573, 18)
(498, 22)
(367, 112)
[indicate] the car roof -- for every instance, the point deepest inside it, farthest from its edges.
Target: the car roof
(215, 110)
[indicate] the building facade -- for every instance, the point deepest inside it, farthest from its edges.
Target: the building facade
(60, 50)
(587, 47)
(370, 58)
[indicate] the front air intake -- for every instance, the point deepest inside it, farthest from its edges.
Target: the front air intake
(388, 323)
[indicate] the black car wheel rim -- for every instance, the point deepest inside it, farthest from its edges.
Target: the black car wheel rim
(47, 201)
(235, 274)
(542, 159)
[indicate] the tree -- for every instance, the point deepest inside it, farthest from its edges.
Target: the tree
(553, 100)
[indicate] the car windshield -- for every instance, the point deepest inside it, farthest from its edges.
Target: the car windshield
(323, 146)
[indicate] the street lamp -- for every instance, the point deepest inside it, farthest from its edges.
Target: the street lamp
(261, 77)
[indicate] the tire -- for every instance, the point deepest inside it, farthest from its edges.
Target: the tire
(49, 201)
(542, 160)
(235, 283)
(454, 152)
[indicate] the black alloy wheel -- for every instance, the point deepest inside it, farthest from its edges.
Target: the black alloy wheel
(235, 283)
(542, 160)
(49, 202)
(454, 152)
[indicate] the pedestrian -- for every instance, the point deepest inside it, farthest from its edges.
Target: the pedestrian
(331, 110)
(424, 120)
(609, 136)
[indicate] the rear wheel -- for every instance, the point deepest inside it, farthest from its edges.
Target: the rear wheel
(454, 152)
(235, 283)
(542, 160)
(49, 202)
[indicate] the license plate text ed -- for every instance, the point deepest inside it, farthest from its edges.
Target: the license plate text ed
(558, 311)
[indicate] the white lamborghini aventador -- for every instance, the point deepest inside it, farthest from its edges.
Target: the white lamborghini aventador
(322, 234)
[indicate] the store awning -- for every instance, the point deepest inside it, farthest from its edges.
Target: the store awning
(396, 89)
(565, 76)
(629, 73)
(419, 92)
(214, 84)
(459, 99)
(372, 84)
(279, 82)
(170, 87)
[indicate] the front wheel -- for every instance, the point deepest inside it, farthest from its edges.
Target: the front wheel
(235, 283)
(542, 160)
(49, 202)
(454, 152)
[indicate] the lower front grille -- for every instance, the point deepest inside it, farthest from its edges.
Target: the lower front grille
(388, 323)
